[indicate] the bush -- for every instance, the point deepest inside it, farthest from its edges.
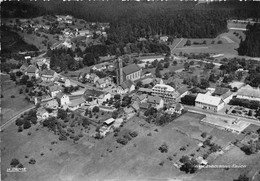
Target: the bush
(127, 136)
(26, 124)
(163, 148)
(14, 162)
(32, 161)
(95, 109)
(20, 129)
(12, 96)
(133, 134)
(203, 135)
(19, 122)
(122, 141)
(234, 111)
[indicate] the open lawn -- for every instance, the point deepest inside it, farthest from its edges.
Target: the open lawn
(92, 159)
(11, 106)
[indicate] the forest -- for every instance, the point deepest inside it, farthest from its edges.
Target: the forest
(131, 20)
(251, 45)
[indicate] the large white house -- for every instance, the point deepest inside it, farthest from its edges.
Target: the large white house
(209, 102)
(166, 92)
(248, 92)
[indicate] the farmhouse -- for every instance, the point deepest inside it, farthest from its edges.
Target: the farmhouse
(224, 93)
(32, 71)
(155, 101)
(101, 66)
(139, 98)
(42, 114)
(76, 103)
(52, 104)
(62, 99)
(48, 75)
(125, 87)
(182, 91)
(101, 83)
(54, 90)
(175, 108)
(209, 102)
(166, 92)
(95, 96)
(248, 92)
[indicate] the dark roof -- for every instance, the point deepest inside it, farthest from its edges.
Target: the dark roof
(59, 95)
(31, 69)
(129, 69)
(153, 99)
(145, 90)
(92, 93)
(48, 72)
(144, 105)
(220, 91)
(126, 84)
(182, 90)
(178, 107)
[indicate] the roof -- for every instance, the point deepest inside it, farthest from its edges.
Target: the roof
(182, 90)
(23, 67)
(48, 72)
(52, 102)
(145, 90)
(55, 88)
(220, 91)
(226, 95)
(101, 65)
(163, 86)
(126, 84)
(136, 105)
(101, 81)
(92, 93)
(129, 69)
(144, 105)
(31, 69)
(178, 107)
(154, 99)
(60, 95)
(249, 91)
(76, 102)
(140, 97)
(208, 99)
(109, 121)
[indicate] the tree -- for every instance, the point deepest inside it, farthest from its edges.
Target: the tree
(186, 66)
(163, 148)
(166, 65)
(250, 113)
(190, 166)
(188, 43)
(188, 99)
(184, 159)
(203, 135)
(174, 63)
(62, 114)
(242, 178)
(115, 114)
(19, 122)
(14, 162)
(117, 96)
(95, 109)
(26, 124)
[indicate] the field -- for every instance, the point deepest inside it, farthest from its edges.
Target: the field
(92, 159)
(230, 42)
(11, 106)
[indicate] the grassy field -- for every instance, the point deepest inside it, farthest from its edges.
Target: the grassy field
(91, 159)
(11, 106)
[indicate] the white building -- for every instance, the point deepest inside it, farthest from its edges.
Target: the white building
(248, 92)
(209, 102)
(166, 92)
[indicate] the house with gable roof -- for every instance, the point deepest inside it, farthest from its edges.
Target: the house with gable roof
(125, 87)
(132, 72)
(62, 99)
(54, 90)
(208, 102)
(155, 101)
(249, 93)
(32, 71)
(48, 75)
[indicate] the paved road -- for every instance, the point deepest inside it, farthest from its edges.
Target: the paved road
(13, 119)
(197, 110)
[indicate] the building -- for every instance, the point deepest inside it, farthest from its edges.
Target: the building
(62, 99)
(32, 71)
(96, 96)
(48, 75)
(42, 114)
(76, 103)
(100, 67)
(224, 93)
(166, 92)
(145, 91)
(125, 87)
(104, 82)
(182, 91)
(164, 38)
(249, 93)
(175, 108)
(155, 101)
(131, 72)
(54, 90)
(209, 102)
(139, 98)
(52, 104)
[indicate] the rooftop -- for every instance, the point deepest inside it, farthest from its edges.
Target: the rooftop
(48, 72)
(153, 99)
(163, 86)
(220, 91)
(92, 93)
(55, 87)
(109, 121)
(129, 69)
(126, 84)
(31, 69)
(208, 99)
(249, 91)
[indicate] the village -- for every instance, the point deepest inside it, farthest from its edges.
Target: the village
(182, 94)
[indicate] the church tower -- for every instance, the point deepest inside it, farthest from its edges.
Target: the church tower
(119, 71)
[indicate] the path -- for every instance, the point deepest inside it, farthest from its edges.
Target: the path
(11, 120)
(176, 45)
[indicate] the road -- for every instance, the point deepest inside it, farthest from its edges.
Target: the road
(197, 110)
(13, 119)
(176, 45)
